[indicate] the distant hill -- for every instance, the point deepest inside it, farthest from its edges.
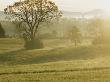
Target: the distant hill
(71, 14)
(96, 12)
(90, 14)
(68, 14)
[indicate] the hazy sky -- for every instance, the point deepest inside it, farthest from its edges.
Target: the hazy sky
(72, 5)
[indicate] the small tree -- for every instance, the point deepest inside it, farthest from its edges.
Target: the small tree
(95, 28)
(74, 35)
(2, 31)
(30, 14)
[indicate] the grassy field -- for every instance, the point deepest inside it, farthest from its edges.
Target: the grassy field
(55, 63)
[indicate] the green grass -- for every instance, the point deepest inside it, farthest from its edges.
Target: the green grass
(77, 76)
(62, 63)
(64, 71)
(10, 44)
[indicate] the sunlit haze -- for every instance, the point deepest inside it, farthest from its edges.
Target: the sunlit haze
(72, 5)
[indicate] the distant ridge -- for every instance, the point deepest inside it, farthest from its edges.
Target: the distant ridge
(89, 14)
(96, 11)
(68, 14)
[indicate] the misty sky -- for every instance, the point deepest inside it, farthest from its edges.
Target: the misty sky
(72, 5)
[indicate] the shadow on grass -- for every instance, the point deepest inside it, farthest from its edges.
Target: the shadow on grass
(9, 57)
(21, 57)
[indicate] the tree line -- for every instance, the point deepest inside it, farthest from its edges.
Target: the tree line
(30, 15)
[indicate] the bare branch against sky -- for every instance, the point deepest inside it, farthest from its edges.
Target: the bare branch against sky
(72, 5)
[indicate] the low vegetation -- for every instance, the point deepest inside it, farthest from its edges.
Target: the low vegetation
(63, 63)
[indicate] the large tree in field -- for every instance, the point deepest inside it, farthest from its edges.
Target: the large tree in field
(30, 14)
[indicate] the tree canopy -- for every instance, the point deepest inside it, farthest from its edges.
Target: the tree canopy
(30, 14)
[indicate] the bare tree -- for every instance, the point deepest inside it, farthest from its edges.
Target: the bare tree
(30, 14)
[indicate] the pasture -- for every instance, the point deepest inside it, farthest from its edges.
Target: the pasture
(58, 61)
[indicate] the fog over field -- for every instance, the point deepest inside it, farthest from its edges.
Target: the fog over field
(54, 41)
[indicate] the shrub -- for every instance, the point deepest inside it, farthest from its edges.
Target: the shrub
(34, 44)
(2, 32)
(101, 40)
